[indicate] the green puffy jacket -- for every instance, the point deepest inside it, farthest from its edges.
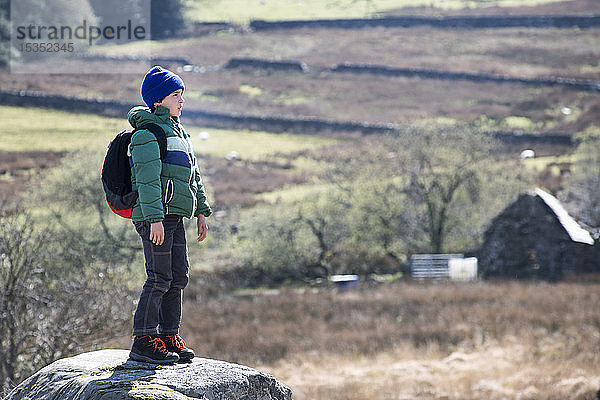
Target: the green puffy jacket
(170, 186)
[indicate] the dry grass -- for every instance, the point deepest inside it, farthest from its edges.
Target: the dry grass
(410, 341)
(455, 341)
(372, 320)
(492, 372)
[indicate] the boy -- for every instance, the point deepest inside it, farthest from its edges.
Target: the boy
(169, 190)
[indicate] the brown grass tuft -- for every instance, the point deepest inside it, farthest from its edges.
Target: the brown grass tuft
(459, 341)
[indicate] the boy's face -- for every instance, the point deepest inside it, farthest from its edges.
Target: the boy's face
(174, 102)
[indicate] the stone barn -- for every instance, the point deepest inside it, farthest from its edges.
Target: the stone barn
(535, 237)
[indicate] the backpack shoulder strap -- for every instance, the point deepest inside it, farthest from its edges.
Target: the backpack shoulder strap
(160, 135)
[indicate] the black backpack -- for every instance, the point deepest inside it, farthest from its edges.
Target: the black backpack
(116, 170)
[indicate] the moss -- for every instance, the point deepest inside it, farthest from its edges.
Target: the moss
(103, 370)
(151, 391)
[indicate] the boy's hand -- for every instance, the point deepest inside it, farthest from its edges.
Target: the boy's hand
(157, 233)
(202, 228)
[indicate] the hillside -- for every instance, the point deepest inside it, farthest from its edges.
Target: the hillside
(520, 52)
(319, 94)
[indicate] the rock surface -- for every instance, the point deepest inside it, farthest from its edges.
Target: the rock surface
(108, 375)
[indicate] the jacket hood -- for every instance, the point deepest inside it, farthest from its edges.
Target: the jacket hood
(141, 115)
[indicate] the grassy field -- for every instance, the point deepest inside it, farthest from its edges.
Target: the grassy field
(506, 340)
(410, 341)
(241, 11)
(49, 130)
(34, 139)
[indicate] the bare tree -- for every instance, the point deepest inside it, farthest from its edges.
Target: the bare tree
(48, 307)
(441, 168)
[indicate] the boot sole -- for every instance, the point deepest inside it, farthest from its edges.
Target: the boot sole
(186, 359)
(141, 358)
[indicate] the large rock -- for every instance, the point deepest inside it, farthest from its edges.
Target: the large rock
(108, 375)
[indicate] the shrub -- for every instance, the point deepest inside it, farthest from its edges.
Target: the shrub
(51, 307)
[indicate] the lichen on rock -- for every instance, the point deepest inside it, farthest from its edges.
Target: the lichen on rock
(109, 374)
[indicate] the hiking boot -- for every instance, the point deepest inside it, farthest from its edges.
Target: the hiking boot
(151, 349)
(176, 344)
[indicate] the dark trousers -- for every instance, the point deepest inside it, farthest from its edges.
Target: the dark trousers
(159, 307)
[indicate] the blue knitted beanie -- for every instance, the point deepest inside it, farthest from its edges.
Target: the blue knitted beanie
(158, 84)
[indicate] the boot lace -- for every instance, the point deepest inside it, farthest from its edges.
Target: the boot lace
(157, 344)
(176, 341)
